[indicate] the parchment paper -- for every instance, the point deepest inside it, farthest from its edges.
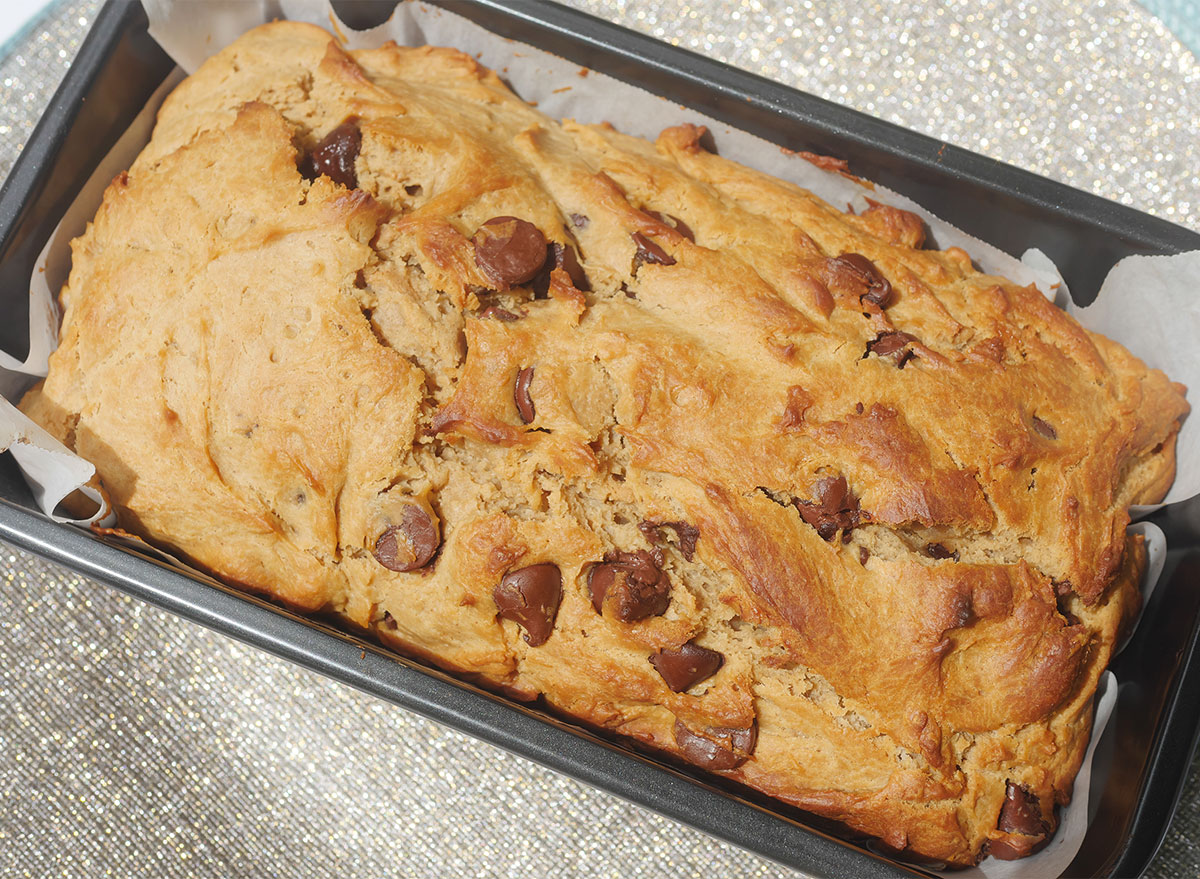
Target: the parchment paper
(1147, 303)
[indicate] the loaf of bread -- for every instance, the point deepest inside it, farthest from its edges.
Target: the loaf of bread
(760, 485)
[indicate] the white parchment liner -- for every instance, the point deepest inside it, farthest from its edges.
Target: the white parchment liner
(1147, 303)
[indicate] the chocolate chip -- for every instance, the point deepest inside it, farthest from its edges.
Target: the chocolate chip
(674, 222)
(509, 251)
(1063, 603)
(524, 401)
(411, 544)
(334, 155)
(1013, 848)
(600, 579)
(863, 555)
(1020, 812)
(389, 622)
(1045, 429)
(579, 221)
(632, 584)
(682, 228)
(560, 256)
(495, 312)
(687, 665)
(863, 272)
(648, 251)
(799, 401)
(566, 258)
(892, 342)
(937, 551)
(991, 348)
(962, 607)
(889, 342)
(687, 534)
(744, 740)
(529, 597)
(833, 509)
(834, 492)
(1020, 815)
(718, 748)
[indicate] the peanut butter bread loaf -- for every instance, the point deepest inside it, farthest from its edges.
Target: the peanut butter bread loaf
(761, 485)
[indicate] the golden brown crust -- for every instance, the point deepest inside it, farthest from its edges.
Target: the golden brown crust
(890, 492)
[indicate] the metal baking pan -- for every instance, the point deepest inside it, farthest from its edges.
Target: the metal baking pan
(1158, 713)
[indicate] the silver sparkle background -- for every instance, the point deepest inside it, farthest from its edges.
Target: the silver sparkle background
(133, 744)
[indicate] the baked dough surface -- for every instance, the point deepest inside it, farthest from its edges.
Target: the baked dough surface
(884, 495)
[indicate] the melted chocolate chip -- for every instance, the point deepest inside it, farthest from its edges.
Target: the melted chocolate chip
(682, 228)
(889, 342)
(892, 342)
(411, 544)
(687, 534)
(495, 312)
(1020, 815)
(718, 748)
(1013, 848)
(565, 257)
(863, 555)
(334, 155)
(937, 551)
(864, 272)
(579, 221)
(509, 251)
(600, 579)
(687, 665)
(674, 222)
(833, 492)
(648, 251)
(1044, 428)
(524, 401)
(529, 597)
(632, 584)
(389, 621)
(834, 508)
(560, 256)
(799, 401)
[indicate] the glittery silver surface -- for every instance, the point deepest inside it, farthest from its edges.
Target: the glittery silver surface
(133, 744)
(1098, 95)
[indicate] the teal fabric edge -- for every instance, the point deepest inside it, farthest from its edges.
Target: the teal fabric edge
(1182, 18)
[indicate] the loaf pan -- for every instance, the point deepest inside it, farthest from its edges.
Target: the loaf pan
(1154, 733)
